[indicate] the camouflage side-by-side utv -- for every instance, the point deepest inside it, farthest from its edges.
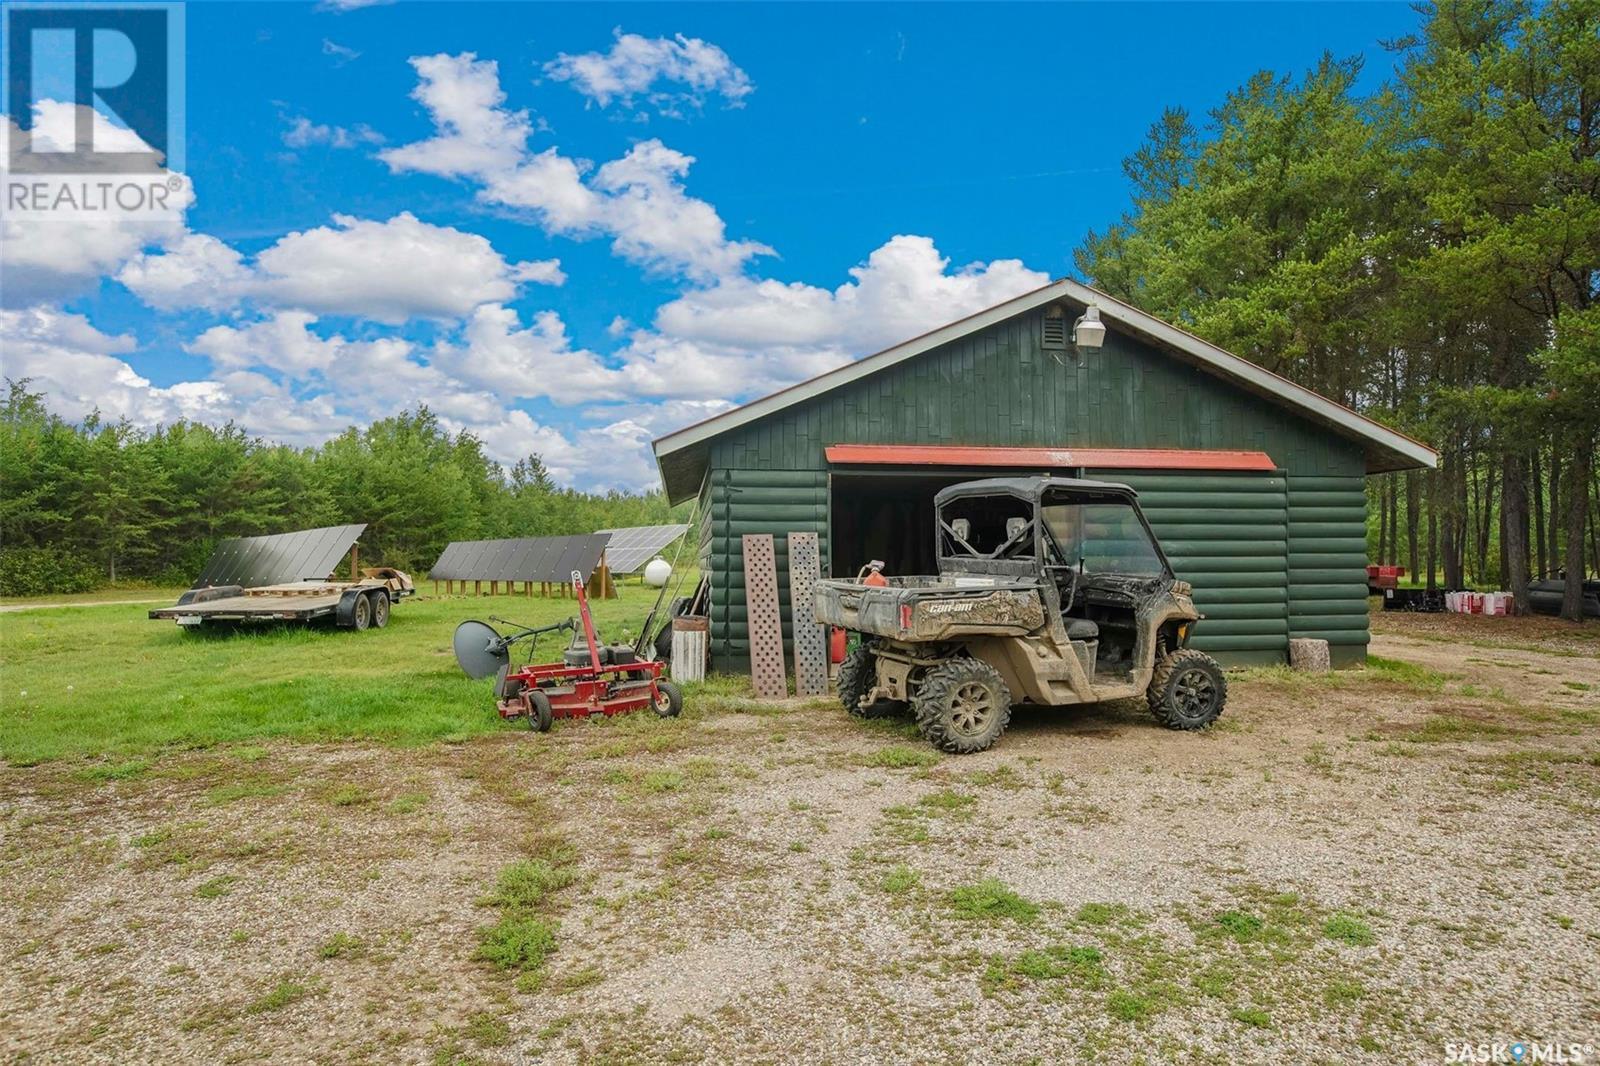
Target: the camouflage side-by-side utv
(1050, 591)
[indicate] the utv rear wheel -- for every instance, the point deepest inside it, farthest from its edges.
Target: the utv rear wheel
(963, 706)
(858, 675)
(1188, 690)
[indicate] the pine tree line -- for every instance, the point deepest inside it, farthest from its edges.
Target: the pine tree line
(83, 504)
(1428, 253)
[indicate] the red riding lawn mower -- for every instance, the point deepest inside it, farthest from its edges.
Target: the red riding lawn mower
(592, 678)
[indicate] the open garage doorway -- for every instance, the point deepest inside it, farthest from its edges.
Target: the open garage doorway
(887, 514)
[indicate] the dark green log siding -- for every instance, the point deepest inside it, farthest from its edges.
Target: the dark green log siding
(756, 501)
(997, 387)
(1226, 534)
(1327, 560)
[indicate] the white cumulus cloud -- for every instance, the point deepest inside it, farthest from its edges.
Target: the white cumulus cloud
(303, 133)
(745, 337)
(667, 72)
(385, 271)
(82, 370)
(498, 354)
(639, 200)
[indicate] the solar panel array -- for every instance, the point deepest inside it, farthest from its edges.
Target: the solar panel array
(634, 546)
(520, 559)
(306, 555)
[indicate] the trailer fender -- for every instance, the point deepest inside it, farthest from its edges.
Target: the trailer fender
(344, 615)
(215, 592)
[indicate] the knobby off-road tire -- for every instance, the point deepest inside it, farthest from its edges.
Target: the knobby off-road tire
(963, 706)
(1188, 690)
(857, 676)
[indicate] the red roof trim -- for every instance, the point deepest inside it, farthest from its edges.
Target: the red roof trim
(1048, 458)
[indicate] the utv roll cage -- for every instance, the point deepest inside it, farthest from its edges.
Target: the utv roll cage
(1025, 530)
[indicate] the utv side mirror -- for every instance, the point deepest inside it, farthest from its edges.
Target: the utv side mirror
(1014, 527)
(962, 528)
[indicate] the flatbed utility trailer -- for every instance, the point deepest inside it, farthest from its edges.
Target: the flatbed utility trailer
(348, 604)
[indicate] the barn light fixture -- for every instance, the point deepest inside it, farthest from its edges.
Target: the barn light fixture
(1089, 333)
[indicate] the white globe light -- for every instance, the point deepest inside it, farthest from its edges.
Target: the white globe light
(656, 572)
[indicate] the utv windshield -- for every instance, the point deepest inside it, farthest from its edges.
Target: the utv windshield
(1106, 538)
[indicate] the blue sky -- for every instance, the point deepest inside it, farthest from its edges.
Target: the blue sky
(859, 173)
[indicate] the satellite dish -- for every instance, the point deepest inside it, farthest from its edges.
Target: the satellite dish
(658, 572)
(479, 650)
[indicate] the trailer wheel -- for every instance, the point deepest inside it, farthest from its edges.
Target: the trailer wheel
(361, 614)
(669, 700)
(540, 716)
(380, 608)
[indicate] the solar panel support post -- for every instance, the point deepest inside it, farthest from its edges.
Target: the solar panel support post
(355, 561)
(600, 584)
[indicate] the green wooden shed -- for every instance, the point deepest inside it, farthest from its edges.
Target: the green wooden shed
(1253, 483)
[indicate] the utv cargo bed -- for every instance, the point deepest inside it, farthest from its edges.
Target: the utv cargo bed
(931, 608)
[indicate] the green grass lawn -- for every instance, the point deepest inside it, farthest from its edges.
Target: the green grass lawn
(90, 680)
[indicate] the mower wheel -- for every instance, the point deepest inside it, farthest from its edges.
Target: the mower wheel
(669, 699)
(963, 706)
(380, 608)
(857, 677)
(361, 616)
(540, 716)
(1187, 690)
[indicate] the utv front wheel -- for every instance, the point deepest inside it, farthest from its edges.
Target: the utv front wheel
(1188, 690)
(858, 675)
(962, 706)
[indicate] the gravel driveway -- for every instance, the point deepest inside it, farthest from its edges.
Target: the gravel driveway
(1359, 867)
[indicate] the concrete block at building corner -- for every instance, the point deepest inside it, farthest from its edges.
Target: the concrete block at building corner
(1309, 654)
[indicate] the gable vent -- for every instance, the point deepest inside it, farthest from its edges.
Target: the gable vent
(1055, 333)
